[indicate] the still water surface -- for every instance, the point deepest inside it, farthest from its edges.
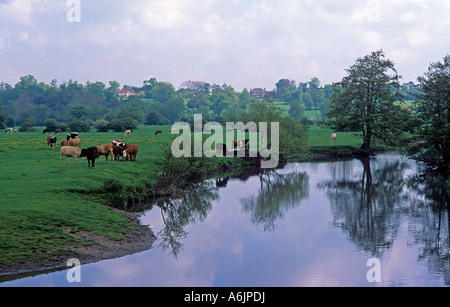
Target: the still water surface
(308, 224)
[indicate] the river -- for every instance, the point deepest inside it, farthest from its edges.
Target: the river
(345, 223)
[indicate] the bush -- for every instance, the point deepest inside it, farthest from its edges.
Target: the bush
(79, 125)
(155, 118)
(27, 125)
(51, 124)
(116, 194)
(101, 125)
(122, 124)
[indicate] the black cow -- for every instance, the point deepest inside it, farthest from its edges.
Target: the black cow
(46, 131)
(90, 154)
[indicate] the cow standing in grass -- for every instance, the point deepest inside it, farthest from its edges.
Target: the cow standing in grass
(90, 154)
(68, 151)
(130, 150)
(333, 138)
(51, 141)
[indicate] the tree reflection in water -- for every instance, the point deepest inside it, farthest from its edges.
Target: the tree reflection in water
(186, 208)
(278, 194)
(369, 208)
(431, 227)
(365, 207)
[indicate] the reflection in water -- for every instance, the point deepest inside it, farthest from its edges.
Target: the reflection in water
(364, 206)
(278, 194)
(370, 206)
(183, 209)
(431, 228)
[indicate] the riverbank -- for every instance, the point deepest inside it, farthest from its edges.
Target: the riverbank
(138, 239)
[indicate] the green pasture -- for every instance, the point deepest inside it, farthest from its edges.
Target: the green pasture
(43, 201)
(319, 136)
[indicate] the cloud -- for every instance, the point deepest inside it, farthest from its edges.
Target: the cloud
(242, 43)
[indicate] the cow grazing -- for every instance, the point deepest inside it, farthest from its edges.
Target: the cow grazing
(90, 154)
(74, 142)
(333, 137)
(57, 131)
(72, 135)
(16, 130)
(116, 142)
(9, 130)
(68, 151)
(127, 132)
(117, 152)
(51, 141)
(158, 132)
(46, 130)
(105, 150)
(130, 150)
(63, 143)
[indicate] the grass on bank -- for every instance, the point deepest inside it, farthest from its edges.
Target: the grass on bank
(42, 201)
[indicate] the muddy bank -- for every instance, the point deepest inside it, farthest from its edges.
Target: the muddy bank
(141, 238)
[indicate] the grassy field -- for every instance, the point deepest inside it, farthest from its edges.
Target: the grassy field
(45, 205)
(43, 201)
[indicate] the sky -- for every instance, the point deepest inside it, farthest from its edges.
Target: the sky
(242, 43)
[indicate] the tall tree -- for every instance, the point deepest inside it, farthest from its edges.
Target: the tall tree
(365, 99)
(434, 112)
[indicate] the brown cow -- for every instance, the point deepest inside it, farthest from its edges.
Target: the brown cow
(127, 132)
(117, 151)
(333, 137)
(158, 132)
(130, 150)
(105, 150)
(74, 142)
(69, 152)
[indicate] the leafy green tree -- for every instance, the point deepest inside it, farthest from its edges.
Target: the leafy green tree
(292, 93)
(297, 110)
(122, 124)
(282, 86)
(307, 101)
(51, 124)
(366, 100)
(78, 112)
(101, 125)
(132, 112)
(78, 125)
(222, 98)
(27, 125)
(434, 113)
(155, 118)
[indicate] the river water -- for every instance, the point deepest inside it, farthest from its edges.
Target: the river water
(345, 223)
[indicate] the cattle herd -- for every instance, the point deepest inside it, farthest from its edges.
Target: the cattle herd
(116, 149)
(70, 147)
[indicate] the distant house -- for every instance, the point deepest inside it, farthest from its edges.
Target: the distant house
(127, 93)
(258, 92)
